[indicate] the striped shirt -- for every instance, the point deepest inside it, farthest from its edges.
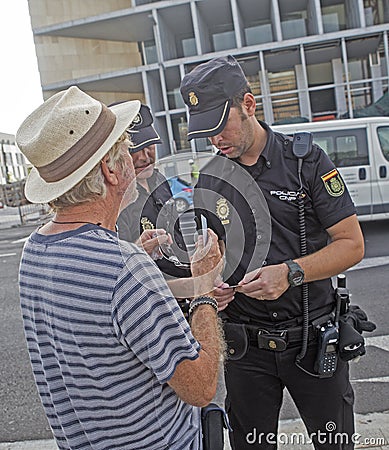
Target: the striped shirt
(105, 334)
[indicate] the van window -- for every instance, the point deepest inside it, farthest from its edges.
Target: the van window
(383, 136)
(346, 148)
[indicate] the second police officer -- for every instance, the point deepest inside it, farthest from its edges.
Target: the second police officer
(154, 210)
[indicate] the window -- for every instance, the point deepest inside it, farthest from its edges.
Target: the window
(283, 87)
(180, 132)
(293, 17)
(333, 15)
(149, 52)
(203, 145)
(383, 136)
(346, 148)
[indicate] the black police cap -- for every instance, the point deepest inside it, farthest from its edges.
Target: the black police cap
(141, 131)
(208, 91)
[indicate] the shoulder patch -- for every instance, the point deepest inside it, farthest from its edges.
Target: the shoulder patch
(333, 183)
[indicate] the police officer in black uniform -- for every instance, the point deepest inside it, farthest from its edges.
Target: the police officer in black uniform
(154, 209)
(264, 314)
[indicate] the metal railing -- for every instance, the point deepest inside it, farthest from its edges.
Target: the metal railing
(16, 210)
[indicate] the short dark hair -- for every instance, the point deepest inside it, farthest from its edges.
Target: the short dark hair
(237, 99)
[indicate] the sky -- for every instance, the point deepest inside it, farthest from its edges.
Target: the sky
(20, 89)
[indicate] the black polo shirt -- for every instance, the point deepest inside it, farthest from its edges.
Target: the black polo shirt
(151, 211)
(326, 202)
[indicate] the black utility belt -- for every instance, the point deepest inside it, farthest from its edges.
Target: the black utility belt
(277, 340)
(239, 337)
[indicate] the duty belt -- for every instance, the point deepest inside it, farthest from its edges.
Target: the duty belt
(277, 340)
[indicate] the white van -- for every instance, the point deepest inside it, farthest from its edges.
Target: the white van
(360, 150)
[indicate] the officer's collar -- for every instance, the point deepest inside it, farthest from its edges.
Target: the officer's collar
(151, 181)
(269, 141)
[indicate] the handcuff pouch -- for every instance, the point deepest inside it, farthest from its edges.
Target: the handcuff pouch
(236, 340)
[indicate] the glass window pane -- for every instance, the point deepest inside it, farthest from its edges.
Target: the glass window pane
(180, 132)
(259, 34)
(376, 12)
(189, 47)
(346, 148)
(294, 18)
(285, 103)
(150, 52)
(333, 16)
(224, 41)
(383, 136)
(203, 145)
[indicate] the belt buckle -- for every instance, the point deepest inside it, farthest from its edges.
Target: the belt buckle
(272, 340)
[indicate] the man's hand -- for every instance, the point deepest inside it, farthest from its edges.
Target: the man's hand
(151, 240)
(267, 283)
(223, 294)
(206, 264)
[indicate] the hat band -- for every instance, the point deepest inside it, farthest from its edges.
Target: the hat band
(82, 150)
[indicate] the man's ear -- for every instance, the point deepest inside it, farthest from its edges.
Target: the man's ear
(249, 103)
(109, 174)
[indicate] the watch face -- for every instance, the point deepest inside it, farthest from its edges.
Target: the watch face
(297, 278)
(296, 274)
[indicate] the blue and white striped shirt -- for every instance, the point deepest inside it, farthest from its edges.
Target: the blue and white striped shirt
(105, 334)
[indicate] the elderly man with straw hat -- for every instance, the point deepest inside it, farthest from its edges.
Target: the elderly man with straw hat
(115, 362)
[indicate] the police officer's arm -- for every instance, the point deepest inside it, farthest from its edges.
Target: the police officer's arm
(195, 381)
(344, 251)
(346, 248)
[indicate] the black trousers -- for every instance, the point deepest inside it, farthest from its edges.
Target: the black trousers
(255, 387)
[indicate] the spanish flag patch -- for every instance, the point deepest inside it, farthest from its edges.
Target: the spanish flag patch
(333, 183)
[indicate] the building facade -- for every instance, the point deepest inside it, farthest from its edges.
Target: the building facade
(305, 59)
(13, 164)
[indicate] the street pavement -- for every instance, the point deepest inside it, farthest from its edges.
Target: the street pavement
(372, 432)
(372, 429)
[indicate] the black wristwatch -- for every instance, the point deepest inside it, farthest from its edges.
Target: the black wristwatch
(296, 273)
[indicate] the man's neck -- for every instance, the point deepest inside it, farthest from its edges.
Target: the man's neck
(71, 218)
(143, 182)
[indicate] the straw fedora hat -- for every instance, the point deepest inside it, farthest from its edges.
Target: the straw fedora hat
(66, 137)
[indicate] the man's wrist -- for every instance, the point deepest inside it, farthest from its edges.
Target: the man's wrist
(202, 300)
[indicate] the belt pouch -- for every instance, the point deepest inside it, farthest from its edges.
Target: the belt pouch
(236, 340)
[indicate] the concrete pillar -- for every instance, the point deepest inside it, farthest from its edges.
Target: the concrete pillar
(276, 20)
(340, 96)
(303, 95)
(315, 23)
(238, 23)
(376, 84)
(265, 89)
